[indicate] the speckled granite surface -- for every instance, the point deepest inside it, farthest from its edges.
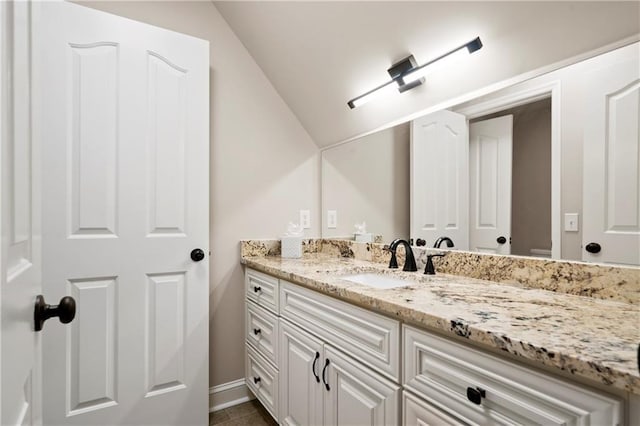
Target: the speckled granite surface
(587, 337)
(583, 279)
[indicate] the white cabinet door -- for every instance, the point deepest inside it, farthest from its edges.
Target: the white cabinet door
(301, 361)
(125, 173)
(490, 159)
(355, 395)
(440, 178)
(20, 255)
(611, 200)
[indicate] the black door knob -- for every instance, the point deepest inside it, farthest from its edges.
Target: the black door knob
(197, 255)
(501, 240)
(593, 248)
(420, 242)
(65, 311)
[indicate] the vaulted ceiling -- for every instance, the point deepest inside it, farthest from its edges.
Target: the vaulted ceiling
(318, 55)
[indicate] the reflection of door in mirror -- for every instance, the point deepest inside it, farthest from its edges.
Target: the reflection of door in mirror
(439, 178)
(504, 167)
(490, 147)
(611, 199)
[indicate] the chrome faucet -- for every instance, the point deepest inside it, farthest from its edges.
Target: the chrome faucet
(440, 240)
(410, 260)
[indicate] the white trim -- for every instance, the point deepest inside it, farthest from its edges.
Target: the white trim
(521, 97)
(449, 103)
(229, 394)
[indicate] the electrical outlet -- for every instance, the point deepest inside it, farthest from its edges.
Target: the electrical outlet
(305, 219)
(332, 219)
(571, 222)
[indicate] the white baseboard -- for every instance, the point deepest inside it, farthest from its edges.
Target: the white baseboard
(229, 394)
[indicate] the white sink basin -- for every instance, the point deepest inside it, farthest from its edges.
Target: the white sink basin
(376, 280)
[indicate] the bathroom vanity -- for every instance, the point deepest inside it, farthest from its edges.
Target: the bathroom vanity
(443, 349)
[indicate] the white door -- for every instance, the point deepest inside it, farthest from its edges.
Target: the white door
(355, 395)
(20, 250)
(611, 200)
(439, 178)
(125, 172)
(301, 362)
(490, 158)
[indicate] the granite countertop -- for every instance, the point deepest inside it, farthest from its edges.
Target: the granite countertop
(587, 337)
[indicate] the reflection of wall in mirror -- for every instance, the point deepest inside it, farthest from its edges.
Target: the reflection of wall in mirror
(367, 180)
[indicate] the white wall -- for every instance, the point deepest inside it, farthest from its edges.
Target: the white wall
(264, 165)
(367, 180)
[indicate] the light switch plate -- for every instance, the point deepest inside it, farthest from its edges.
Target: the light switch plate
(305, 219)
(332, 219)
(571, 222)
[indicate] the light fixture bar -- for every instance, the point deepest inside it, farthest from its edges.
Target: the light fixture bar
(373, 93)
(409, 79)
(420, 71)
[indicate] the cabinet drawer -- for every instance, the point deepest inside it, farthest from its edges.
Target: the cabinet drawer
(450, 375)
(371, 338)
(262, 380)
(262, 332)
(262, 289)
(418, 412)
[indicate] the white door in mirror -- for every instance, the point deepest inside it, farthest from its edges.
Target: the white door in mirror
(440, 178)
(611, 189)
(490, 158)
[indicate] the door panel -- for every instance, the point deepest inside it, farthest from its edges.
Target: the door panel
(439, 178)
(91, 349)
(166, 110)
(20, 245)
(164, 335)
(126, 118)
(612, 163)
(93, 107)
(490, 159)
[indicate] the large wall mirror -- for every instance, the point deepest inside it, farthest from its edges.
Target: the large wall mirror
(548, 167)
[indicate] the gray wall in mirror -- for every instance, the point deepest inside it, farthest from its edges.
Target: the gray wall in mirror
(531, 197)
(367, 180)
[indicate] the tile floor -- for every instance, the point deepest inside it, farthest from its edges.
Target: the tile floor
(250, 413)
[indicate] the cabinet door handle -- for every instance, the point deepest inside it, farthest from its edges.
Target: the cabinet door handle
(313, 367)
(475, 395)
(256, 289)
(324, 379)
(256, 331)
(256, 380)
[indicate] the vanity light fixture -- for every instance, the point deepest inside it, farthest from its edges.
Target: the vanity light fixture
(406, 74)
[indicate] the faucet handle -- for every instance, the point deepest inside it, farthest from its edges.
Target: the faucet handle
(429, 269)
